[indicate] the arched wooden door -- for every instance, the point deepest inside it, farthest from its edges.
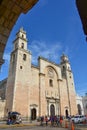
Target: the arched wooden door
(33, 114)
(52, 110)
(66, 113)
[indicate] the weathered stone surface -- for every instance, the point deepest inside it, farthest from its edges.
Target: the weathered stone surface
(9, 13)
(2, 108)
(38, 89)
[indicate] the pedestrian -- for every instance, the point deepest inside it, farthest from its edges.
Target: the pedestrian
(46, 120)
(42, 119)
(52, 120)
(58, 121)
(61, 120)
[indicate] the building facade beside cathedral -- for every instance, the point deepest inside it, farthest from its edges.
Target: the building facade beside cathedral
(47, 89)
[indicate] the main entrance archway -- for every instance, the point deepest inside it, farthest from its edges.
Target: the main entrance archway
(52, 110)
(33, 114)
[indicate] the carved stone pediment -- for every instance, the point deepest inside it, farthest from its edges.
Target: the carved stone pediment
(33, 105)
(51, 95)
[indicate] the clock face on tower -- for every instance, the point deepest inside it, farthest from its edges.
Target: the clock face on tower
(50, 73)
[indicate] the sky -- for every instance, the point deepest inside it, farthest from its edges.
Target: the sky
(53, 27)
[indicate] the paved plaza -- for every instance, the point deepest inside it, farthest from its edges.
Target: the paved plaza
(34, 128)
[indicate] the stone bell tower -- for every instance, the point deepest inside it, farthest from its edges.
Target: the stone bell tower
(19, 76)
(68, 77)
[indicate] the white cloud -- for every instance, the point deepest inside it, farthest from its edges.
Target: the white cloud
(5, 66)
(51, 51)
(45, 49)
(7, 57)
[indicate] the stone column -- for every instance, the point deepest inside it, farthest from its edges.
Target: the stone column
(47, 107)
(42, 107)
(56, 102)
(59, 80)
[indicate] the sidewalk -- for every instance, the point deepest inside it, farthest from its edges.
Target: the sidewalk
(35, 123)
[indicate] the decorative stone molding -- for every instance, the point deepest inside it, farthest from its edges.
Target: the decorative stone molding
(9, 13)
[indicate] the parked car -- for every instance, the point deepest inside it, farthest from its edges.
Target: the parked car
(75, 119)
(78, 119)
(82, 118)
(14, 118)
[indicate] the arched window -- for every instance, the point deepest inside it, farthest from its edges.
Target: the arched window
(51, 82)
(64, 68)
(22, 36)
(13, 57)
(16, 45)
(22, 45)
(24, 57)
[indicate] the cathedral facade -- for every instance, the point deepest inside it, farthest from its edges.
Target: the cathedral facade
(47, 89)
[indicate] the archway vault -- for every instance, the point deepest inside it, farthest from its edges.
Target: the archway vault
(9, 13)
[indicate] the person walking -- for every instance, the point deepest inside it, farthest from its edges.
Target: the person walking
(42, 119)
(46, 120)
(61, 120)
